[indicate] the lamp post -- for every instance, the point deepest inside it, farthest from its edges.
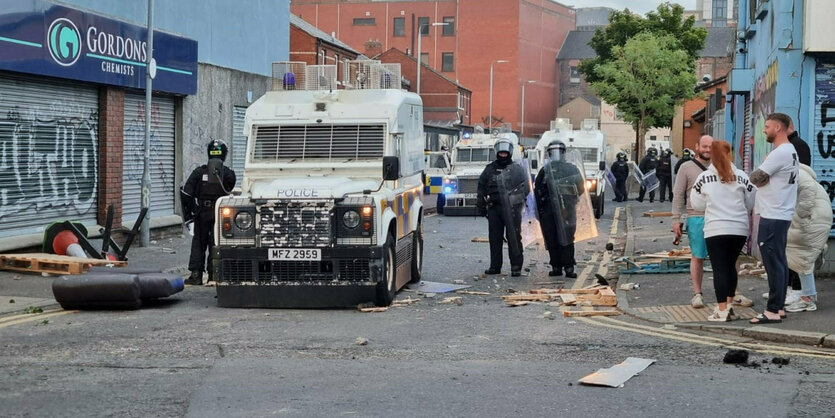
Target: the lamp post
(522, 131)
(418, 50)
(490, 116)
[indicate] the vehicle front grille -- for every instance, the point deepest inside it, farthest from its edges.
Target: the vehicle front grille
(298, 224)
(354, 270)
(468, 185)
(249, 270)
(319, 141)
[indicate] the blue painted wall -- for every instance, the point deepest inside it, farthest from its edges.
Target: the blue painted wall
(245, 35)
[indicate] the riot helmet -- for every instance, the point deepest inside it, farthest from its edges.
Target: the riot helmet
(652, 152)
(686, 154)
(622, 156)
(503, 145)
(217, 149)
(556, 150)
(668, 152)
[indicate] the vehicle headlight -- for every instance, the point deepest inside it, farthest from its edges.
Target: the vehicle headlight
(351, 219)
(243, 220)
(590, 184)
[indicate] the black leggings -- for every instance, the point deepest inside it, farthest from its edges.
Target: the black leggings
(723, 251)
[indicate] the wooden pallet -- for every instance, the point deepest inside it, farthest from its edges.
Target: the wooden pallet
(52, 263)
(604, 296)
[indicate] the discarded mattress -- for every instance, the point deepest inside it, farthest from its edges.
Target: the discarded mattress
(112, 290)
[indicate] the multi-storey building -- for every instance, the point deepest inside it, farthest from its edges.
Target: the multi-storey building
(464, 40)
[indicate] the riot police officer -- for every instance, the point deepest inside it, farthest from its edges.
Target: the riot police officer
(686, 155)
(502, 189)
(558, 187)
(664, 172)
(648, 163)
(620, 169)
(198, 195)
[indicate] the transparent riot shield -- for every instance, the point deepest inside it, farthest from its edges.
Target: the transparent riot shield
(514, 186)
(650, 181)
(567, 198)
(610, 177)
(634, 181)
(530, 224)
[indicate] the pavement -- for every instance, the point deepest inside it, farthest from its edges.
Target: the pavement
(665, 298)
(661, 298)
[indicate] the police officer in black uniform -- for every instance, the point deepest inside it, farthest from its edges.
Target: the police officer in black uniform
(503, 205)
(664, 172)
(558, 214)
(648, 163)
(620, 169)
(686, 155)
(198, 195)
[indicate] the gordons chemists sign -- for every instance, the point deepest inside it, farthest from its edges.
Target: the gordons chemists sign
(38, 37)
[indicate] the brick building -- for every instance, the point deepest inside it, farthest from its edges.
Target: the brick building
(312, 46)
(476, 34)
(445, 102)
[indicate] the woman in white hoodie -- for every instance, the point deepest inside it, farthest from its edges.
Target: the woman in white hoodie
(726, 196)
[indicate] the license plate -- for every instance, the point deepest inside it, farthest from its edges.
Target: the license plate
(295, 254)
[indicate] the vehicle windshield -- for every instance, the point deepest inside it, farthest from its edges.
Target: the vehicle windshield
(467, 155)
(589, 154)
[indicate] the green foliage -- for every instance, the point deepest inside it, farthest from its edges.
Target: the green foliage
(32, 310)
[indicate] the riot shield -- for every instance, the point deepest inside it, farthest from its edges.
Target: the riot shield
(514, 186)
(650, 181)
(673, 163)
(567, 198)
(530, 224)
(634, 181)
(610, 177)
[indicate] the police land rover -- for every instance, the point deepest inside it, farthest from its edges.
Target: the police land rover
(330, 213)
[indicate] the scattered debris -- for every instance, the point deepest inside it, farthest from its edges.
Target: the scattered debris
(471, 292)
(405, 302)
(11, 300)
(211, 283)
(374, 309)
(618, 374)
(755, 272)
(527, 297)
(780, 361)
(547, 283)
(480, 239)
(458, 281)
(610, 246)
(453, 299)
(51, 263)
(549, 315)
(652, 214)
(361, 341)
(436, 287)
(596, 296)
(605, 312)
(601, 280)
(630, 286)
(736, 357)
(518, 303)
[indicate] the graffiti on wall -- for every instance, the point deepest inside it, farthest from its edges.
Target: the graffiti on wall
(161, 174)
(764, 104)
(48, 160)
(823, 144)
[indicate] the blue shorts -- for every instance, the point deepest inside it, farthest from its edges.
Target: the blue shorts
(696, 236)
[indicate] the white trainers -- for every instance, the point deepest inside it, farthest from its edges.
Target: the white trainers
(697, 301)
(765, 295)
(719, 316)
(740, 300)
(802, 306)
(792, 296)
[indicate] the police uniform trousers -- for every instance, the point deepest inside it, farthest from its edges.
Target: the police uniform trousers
(498, 230)
(620, 189)
(665, 184)
(561, 256)
(643, 192)
(203, 239)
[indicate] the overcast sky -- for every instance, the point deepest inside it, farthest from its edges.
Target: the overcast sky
(638, 6)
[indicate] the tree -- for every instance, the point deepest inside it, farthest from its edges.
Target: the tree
(668, 19)
(646, 78)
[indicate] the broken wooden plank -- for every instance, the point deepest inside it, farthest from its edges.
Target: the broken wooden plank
(480, 239)
(657, 214)
(405, 302)
(472, 292)
(527, 297)
(544, 291)
(452, 299)
(374, 309)
(517, 303)
(607, 312)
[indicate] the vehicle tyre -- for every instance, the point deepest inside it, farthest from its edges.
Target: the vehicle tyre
(598, 210)
(417, 253)
(388, 287)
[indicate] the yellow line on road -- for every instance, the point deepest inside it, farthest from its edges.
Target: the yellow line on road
(705, 340)
(25, 315)
(33, 317)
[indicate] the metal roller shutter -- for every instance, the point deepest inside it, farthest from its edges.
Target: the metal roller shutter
(823, 143)
(238, 143)
(163, 182)
(48, 153)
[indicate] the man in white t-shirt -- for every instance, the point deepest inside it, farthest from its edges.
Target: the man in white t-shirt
(776, 179)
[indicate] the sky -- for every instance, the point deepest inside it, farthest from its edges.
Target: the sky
(637, 6)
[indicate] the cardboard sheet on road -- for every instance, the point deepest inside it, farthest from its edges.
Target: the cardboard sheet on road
(436, 287)
(618, 374)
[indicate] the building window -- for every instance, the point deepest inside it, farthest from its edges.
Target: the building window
(424, 58)
(399, 26)
(449, 28)
(720, 13)
(365, 21)
(448, 63)
(423, 26)
(653, 138)
(574, 75)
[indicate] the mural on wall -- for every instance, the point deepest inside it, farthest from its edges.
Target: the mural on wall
(764, 104)
(823, 145)
(48, 161)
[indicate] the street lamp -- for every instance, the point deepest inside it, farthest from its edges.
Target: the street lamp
(418, 49)
(522, 131)
(490, 116)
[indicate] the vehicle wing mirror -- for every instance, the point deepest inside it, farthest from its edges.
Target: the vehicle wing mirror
(391, 168)
(602, 165)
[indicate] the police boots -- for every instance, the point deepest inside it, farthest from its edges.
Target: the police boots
(569, 272)
(196, 278)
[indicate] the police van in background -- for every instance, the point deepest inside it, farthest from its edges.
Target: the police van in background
(330, 211)
(469, 157)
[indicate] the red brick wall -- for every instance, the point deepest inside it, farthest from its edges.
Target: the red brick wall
(692, 134)
(111, 141)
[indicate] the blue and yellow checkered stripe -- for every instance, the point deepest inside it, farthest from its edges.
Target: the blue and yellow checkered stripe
(401, 205)
(433, 185)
